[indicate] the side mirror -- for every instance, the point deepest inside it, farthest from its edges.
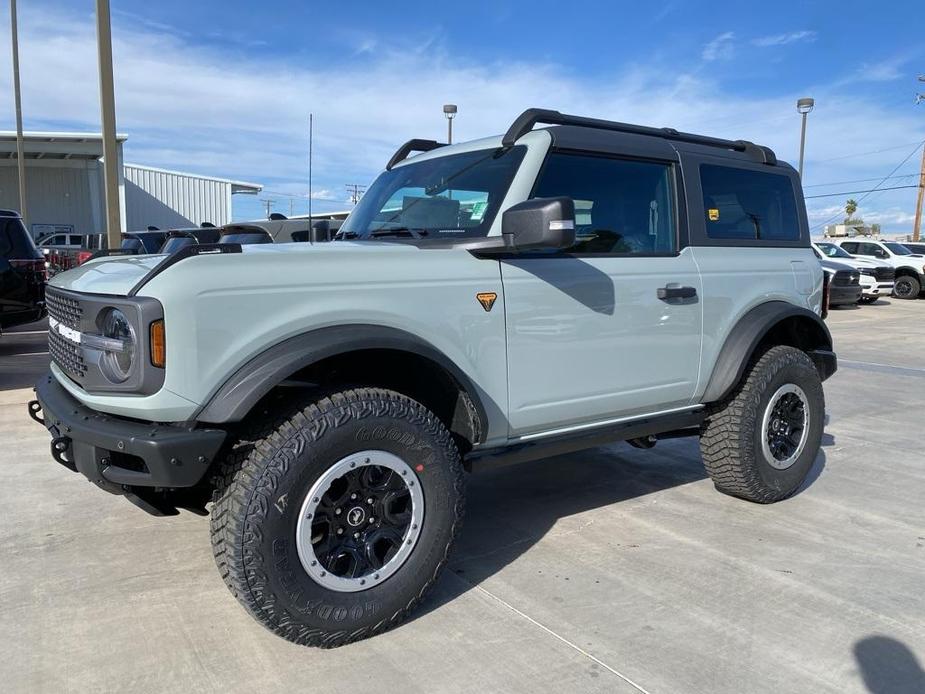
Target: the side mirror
(539, 223)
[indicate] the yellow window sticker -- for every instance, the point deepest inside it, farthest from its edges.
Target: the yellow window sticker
(713, 214)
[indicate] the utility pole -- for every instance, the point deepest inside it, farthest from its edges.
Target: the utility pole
(268, 203)
(20, 157)
(356, 192)
(917, 227)
(108, 112)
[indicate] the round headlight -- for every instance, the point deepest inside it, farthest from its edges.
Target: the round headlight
(117, 364)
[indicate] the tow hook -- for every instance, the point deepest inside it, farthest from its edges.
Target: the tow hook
(60, 447)
(35, 407)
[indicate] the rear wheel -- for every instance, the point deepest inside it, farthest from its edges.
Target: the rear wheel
(337, 521)
(760, 443)
(906, 287)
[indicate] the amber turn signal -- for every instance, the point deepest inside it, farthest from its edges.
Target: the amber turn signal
(158, 344)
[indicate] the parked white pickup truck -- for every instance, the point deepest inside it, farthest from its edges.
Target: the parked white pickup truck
(877, 277)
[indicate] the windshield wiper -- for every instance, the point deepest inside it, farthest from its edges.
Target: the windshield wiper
(345, 235)
(400, 231)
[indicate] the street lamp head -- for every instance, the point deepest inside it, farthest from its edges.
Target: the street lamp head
(806, 104)
(449, 110)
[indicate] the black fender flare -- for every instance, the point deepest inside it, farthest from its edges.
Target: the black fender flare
(748, 333)
(240, 392)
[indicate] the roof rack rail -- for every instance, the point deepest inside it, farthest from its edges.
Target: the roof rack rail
(415, 145)
(525, 121)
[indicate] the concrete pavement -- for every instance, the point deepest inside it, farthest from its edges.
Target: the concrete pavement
(613, 570)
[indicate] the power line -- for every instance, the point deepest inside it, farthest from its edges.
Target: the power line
(855, 192)
(857, 180)
(876, 187)
(864, 154)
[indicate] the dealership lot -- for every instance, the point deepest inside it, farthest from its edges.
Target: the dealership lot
(613, 570)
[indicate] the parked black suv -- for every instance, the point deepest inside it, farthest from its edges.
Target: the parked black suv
(22, 273)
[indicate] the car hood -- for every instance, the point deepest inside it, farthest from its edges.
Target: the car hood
(114, 276)
(833, 266)
(257, 265)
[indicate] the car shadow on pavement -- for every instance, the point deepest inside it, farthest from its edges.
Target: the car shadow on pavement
(510, 509)
(888, 666)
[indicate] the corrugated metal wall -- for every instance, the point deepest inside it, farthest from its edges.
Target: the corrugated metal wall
(169, 200)
(58, 194)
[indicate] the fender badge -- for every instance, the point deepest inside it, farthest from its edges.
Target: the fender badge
(487, 299)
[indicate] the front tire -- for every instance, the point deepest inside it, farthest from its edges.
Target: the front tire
(333, 524)
(760, 443)
(906, 287)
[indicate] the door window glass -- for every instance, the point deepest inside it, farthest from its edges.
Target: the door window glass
(621, 206)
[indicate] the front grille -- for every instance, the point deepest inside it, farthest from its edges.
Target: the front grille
(67, 355)
(63, 309)
(847, 278)
(885, 274)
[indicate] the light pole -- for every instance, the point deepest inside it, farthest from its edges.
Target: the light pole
(449, 110)
(804, 106)
(20, 160)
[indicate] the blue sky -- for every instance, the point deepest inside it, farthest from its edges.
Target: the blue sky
(225, 88)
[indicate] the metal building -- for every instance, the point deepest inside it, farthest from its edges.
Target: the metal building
(65, 193)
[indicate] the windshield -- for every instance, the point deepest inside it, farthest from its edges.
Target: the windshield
(456, 196)
(833, 251)
(898, 248)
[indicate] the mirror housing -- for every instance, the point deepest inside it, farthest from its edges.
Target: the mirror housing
(539, 223)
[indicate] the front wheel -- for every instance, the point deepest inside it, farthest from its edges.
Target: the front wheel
(760, 443)
(906, 287)
(332, 526)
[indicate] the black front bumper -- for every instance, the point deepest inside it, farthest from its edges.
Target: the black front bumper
(119, 454)
(839, 295)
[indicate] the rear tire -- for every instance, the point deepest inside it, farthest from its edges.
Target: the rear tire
(332, 525)
(760, 443)
(906, 287)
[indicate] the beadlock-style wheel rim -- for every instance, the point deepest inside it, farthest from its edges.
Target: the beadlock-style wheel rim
(360, 521)
(785, 426)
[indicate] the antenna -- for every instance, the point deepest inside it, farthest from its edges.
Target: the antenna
(311, 118)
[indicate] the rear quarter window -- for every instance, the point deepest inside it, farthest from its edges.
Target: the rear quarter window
(15, 242)
(742, 205)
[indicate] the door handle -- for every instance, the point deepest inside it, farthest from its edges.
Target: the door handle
(675, 291)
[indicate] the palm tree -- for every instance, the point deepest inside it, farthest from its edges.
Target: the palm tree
(850, 208)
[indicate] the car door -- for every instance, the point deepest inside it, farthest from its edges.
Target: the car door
(592, 335)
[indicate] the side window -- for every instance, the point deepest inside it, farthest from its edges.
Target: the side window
(850, 246)
(869, 249)
(742, 204)
(621, 206)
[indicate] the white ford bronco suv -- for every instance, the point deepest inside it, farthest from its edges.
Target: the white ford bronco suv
(490, 302)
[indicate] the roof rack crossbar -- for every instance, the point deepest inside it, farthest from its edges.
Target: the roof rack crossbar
(525, 121)
(415, 145)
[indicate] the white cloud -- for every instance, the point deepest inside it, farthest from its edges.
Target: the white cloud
(245, 115)
(720, 48)
(783, 39)
(883, 71)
